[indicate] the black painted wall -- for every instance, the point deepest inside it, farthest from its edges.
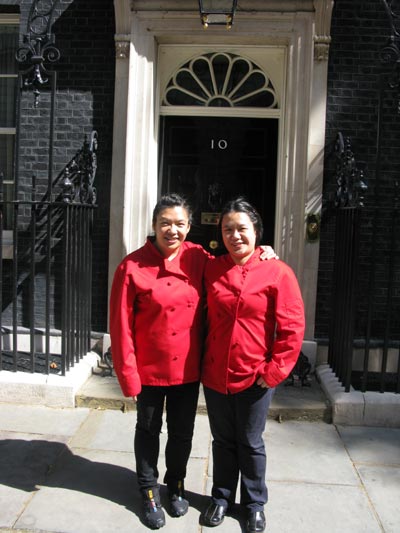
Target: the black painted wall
(360, 29)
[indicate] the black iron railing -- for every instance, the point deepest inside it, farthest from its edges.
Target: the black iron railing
(341, 337)
(49, 278)
(364, 339)
(377, 365)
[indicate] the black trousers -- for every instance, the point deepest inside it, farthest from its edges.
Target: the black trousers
(237, 423)
(180, 405)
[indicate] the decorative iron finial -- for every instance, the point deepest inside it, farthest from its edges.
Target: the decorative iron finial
(88, 162)
(77, 178)
(38, 46)
(351, 186)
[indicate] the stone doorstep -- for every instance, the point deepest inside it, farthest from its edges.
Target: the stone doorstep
(289, 403)
(356, 408)
(309, 414)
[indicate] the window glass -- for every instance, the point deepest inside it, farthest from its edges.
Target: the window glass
(220, 80)
(7, 102)
(9, 35)
(8, 45)
(7, 156)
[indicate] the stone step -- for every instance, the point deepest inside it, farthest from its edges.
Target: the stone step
(295, 402)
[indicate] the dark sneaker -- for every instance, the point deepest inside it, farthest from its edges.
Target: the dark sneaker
(154, 516)
(178, 504)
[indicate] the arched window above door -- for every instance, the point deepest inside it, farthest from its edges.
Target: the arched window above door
(220, 79)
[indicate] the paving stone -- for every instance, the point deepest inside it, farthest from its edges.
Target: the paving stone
(307, 451)
(383, 487)
(107, 430)
(311, 507)
(372, 445)
(41, 420)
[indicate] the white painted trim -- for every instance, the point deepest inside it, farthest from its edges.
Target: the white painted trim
(238, 112)
(134, 165)
(9, 18)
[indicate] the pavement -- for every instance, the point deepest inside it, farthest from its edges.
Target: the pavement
(71, 470)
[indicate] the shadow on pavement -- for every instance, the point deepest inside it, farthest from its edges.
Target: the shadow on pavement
(28, 464)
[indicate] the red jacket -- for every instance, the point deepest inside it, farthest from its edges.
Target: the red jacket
(156, 317)
(255, 321)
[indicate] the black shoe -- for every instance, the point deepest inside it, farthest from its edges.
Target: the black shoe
(154, 516)
(214, 515)
(178, 504)
(255, 522)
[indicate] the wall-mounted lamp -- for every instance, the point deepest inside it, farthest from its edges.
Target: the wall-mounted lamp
(217, 12)
(313, 227)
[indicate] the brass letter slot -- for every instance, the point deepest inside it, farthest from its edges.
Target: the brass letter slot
(210, 218)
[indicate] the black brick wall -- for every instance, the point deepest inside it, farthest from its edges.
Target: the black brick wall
(360, 29)
(85, 37)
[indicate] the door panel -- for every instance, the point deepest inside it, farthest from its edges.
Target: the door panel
(210, 160)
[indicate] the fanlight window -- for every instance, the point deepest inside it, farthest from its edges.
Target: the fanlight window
(220, 80)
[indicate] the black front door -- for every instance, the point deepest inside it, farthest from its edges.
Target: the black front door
(211, 160)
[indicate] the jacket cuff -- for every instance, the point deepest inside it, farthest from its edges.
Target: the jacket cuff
(272, 375)
(133, 387)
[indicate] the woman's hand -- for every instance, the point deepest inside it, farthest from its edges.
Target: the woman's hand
(268, 253)
(262, 383)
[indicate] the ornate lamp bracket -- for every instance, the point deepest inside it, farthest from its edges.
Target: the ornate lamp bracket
(38, 47)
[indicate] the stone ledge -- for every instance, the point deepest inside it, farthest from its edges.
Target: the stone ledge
(356, 408)
(289, 402)
(46, 390)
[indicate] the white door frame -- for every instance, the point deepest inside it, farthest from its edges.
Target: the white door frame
(305, 37)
